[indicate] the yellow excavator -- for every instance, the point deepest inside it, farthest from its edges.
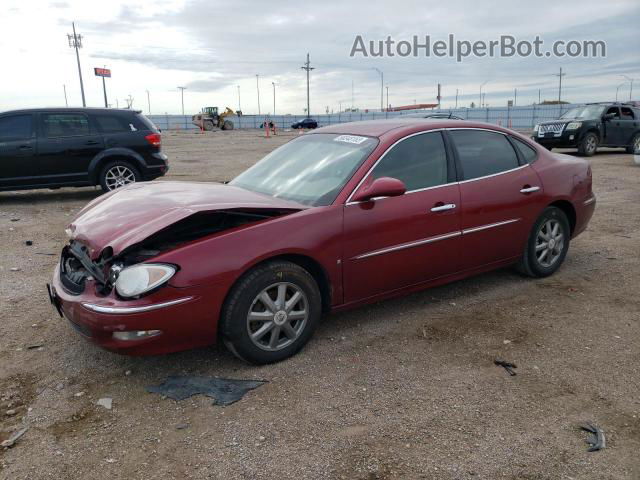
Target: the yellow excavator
(209, 119)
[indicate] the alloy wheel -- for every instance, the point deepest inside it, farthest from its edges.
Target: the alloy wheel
(592, 144)
(549, 243)
(119, 176)
(277, 316)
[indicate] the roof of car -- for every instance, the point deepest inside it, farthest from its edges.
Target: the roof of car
(70, 109)
(377, 128)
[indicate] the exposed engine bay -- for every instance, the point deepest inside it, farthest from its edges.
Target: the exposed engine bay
(77, 266)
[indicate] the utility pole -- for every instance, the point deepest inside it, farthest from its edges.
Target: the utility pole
(631, 86)
(239, 106)
(480, 104)
(539, 96)
(258, 87)
(560, 75)
(307, 67)
(352, 94)
(274, 97)
(381, 87)
(148, 102)
(387, 97)
(75, 41)
(456, 98)
(515, 96)
(182, 89)
(64, 87)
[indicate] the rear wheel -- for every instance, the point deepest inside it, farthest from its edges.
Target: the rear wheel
(117, 174)
(271, 313)
(589, 145)
(227, 125)
(548, 244)
(635, 145)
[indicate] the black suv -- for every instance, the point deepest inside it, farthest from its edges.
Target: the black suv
(75, 147)
(306, 123)
(591, 126)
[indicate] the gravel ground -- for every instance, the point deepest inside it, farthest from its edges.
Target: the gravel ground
(403, 389)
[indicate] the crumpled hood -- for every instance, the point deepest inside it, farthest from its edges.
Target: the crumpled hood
(128, 215)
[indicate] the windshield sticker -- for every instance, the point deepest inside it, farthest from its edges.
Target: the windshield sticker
(350, 139)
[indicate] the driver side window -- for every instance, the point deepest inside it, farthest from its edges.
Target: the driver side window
(419, 162)
(615, 111)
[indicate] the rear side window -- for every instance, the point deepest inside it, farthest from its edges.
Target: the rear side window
(112, 124)
(483, 153)
(419, 161)
(65, 125)
(16, 127)
(146, 123)
(627, 113)
(528, 153)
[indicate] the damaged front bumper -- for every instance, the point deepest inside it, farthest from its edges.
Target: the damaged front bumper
(168, 320)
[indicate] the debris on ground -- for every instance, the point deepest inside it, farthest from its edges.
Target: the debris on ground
(28, 243)
(34, 346)
(596, 437)
(224, 391)
(14, 269)
(11, 441)
(182, 426)
(508, 366)
(105, 402)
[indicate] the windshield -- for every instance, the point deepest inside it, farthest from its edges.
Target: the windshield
(590, 111)
(312, 169)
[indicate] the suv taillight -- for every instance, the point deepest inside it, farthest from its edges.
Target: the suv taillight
(154, 139)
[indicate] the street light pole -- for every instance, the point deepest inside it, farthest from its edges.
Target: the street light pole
(239, 105)
(631, 86)
(182, 89)
(274, 97)
(560, 75)
(75, 41)
(381, 88)
(148, 102)
(258, 88)
(387, 97)
(64, 87)
(456, 98)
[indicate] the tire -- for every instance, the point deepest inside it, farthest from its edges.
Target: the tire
(293, 324)
(227, 125)
(588, 145)
(110, 178)
(208, 125)
(533, 263)
(634, 148)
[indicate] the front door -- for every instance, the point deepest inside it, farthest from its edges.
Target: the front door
(500, 198)
(612, 128)
(17, 151)
(395, 242)
(66, 145)
(629, 125)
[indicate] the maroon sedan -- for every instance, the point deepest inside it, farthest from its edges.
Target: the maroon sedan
(343, 216)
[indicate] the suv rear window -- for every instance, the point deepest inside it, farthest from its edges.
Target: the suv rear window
(65, 125)
(112, 124)
(147, 123)
(16, 127)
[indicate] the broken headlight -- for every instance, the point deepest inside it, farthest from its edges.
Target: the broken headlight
(138, 279)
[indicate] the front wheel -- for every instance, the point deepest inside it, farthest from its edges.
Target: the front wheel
(271, 313)
(589, 145)
(117, 174)
(548, 244)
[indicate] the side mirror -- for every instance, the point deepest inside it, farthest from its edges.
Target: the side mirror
(609, 116)
(381, 187)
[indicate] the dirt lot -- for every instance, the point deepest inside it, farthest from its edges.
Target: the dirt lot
(401, 389)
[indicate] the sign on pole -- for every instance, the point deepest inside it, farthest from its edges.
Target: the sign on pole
(102, 72)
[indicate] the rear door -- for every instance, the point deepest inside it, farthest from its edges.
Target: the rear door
(67, 143)
(500, 197)
(17, 151)
(395, 242)
(629, 125)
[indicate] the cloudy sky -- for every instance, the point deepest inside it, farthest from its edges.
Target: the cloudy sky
(213, 46)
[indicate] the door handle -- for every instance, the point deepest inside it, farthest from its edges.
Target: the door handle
(25, 147)
(443, 207)
(527, 189)
(92, 142)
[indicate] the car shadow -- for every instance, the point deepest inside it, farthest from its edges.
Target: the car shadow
(34, 197)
